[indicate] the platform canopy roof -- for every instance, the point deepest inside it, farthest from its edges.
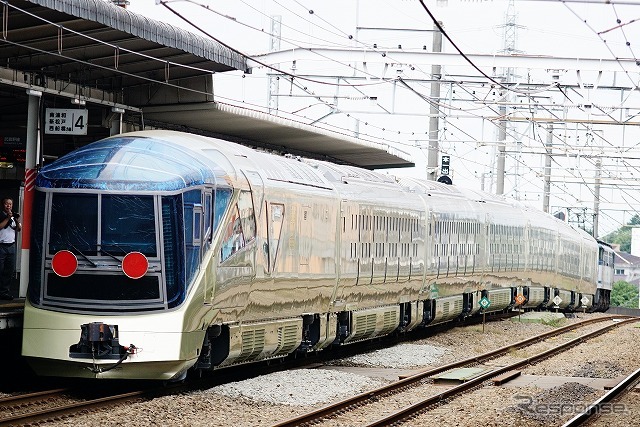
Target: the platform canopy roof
(95, 44)
(279, 134)
(103, 45)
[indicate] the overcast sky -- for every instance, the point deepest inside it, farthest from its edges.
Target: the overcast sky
(544, 28)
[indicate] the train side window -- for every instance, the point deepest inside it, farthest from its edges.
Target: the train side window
(192, 211)
(222, 197)
(247, 215)
(233, 239)
(207, 216)
(197, 224)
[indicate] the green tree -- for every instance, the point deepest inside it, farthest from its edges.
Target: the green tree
(622, 236)
(624, 294)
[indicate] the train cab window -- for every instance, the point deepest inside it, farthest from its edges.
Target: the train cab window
(128, 224)
(74, 223)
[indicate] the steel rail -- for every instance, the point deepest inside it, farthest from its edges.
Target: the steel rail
(24, 399)
(412, 410)
(89, 404)
(372, 394)
(98, 403)
(594, 409)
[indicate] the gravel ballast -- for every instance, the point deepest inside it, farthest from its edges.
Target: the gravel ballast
(265, 400)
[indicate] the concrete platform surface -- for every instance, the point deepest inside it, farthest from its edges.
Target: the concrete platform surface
(11, 313)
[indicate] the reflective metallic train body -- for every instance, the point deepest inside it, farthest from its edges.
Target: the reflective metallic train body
(156, 252)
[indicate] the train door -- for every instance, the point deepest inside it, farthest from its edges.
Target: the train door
(403, 260)
(192, 214)
(275, 219)
(256, 184)
(365, 272)
(402, 234)
(349, 244)
(379, 235)
(207, 238)
(305, 236)
(235, 259)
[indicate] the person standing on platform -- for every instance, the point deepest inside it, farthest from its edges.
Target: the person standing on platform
(9, 225)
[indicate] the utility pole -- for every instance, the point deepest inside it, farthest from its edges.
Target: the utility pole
(596, 197)
(502, 141)
(547, 169)
(274, 81)
(509, 48)
(434, 111)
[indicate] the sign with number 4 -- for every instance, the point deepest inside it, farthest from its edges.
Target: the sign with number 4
(66, 121)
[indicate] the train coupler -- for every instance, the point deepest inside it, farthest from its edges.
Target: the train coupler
(98, 341)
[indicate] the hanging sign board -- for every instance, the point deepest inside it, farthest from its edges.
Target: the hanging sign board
(66, 121)
(445, 162)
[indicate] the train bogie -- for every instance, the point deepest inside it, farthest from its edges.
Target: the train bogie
(250, 342)
(535, 296)
(446, 309)
(500, 298)
(365, 324)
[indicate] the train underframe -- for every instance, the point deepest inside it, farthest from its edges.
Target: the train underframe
(227, 345)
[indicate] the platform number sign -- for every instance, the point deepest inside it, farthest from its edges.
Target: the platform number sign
(484, 303)
(66, 121)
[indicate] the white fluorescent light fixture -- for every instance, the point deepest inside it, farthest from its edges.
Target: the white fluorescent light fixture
(33, 92)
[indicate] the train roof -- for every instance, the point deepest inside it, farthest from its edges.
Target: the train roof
(130, 162)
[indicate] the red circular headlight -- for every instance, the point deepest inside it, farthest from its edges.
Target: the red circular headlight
(64, 263)
(135, 265)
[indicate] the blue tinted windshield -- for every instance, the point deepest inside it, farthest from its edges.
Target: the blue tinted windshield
(127, 223)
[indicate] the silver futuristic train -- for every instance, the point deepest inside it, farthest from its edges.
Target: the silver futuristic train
(156, 252)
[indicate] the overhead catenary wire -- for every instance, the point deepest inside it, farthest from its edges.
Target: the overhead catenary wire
(271, 67)
(443, 105)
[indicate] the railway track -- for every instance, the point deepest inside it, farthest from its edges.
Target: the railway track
(49, 405)
(336, 410)
(604, 403)
(55, 404)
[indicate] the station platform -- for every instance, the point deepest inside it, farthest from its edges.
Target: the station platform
(11, 313)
